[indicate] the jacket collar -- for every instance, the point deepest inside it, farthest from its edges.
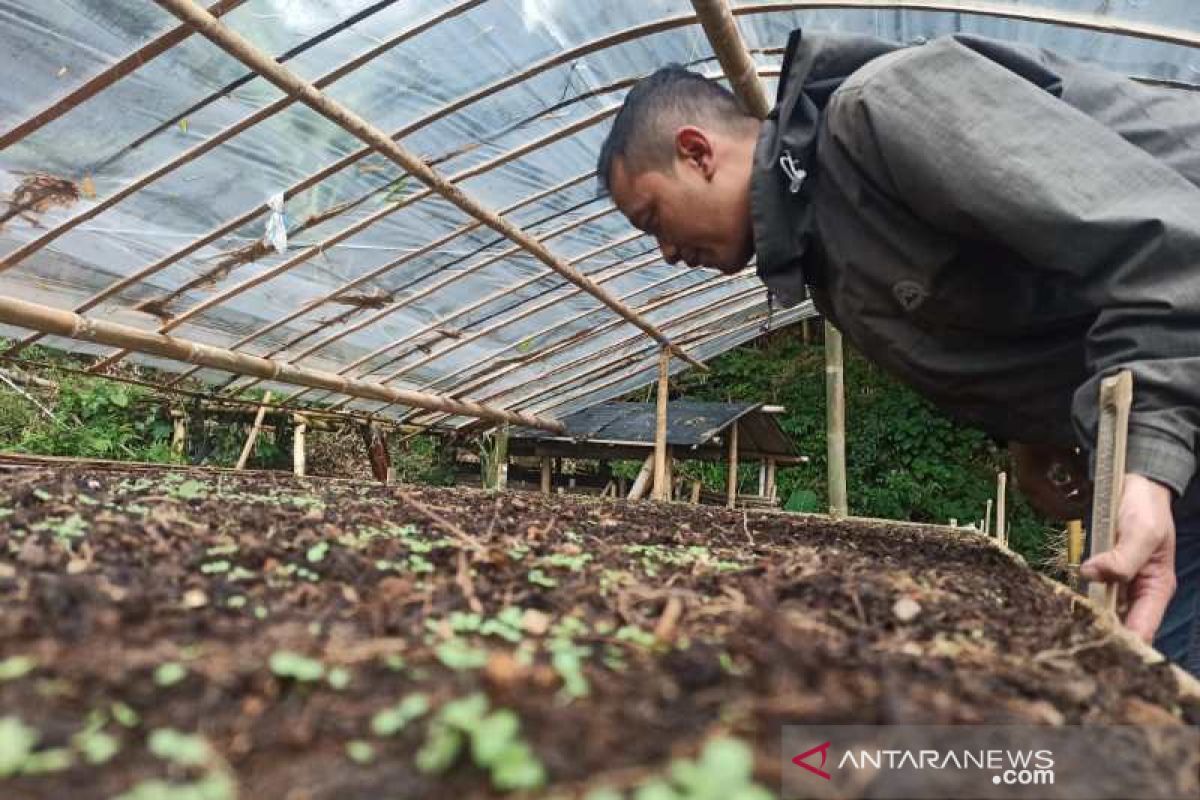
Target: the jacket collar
(783, 176)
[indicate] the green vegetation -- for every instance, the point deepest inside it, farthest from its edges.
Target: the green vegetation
(905, 459)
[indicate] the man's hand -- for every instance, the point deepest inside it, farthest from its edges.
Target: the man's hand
(1144, 557)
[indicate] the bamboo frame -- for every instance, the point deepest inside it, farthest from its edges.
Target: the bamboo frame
(293, 85)
(358, 227)
(93, 86)
(66, 323)
(719, 26)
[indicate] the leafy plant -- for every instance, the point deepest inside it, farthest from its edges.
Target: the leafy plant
(286, 664)
(391, 721)
(494, 740)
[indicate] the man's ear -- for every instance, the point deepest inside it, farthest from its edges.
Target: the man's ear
(694, 147)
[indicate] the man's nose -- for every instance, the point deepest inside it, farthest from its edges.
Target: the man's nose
(669, 251)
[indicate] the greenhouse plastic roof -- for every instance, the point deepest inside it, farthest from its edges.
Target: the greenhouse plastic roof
(164, 198)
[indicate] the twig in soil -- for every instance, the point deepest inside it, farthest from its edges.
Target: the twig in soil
(858, 609)
(1071, 652)
(746, 527)
(462, 578)
(487, 536)
(664, 631)
(464, 538)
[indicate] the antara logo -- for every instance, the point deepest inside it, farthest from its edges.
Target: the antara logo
(802, 760)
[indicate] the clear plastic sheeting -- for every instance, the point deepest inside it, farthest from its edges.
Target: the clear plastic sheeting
(150, 203)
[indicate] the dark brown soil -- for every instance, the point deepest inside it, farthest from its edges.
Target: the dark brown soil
(691, 621)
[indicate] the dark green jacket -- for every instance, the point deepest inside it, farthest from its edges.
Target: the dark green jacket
(998, 227)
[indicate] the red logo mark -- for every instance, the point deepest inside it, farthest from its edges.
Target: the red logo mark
(823, 749)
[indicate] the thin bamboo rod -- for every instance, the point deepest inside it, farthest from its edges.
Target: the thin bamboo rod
(731, 480)
(298, 445)
(361, 225)
(1001, 519)
(216, 140)
(93, 86)
(378, 272)
(59, 322)
(293, 85)
(661, 487)
(547, 474)
(253, 435)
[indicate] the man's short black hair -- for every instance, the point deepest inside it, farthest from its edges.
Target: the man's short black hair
(643, 134)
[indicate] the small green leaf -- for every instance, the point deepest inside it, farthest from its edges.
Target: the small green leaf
(339, 678)
(316, 553)
(392, 720)
(458, 655)
(287, 664)
(179, 748)
(440, 750)
(43, 762)
(492, 735)
(97, 747)
(125, 715)
(16, 667)
(360, 752)
(16, 743)
(169, 674)
(517, 768)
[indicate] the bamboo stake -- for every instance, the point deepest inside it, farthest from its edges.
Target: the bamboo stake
(253, 435)
(1116, 397)
(987, 518)
(178, 433)
(1074, 551)
(835, 404)
(1001, 522)
(72, 326)
(697, 487)
(501, 478)
(661, 486)
(731, 483)
(298, 457)
(547, 473)
(762, 478)
(293, 85)
(643, 478)
(95, 85)
(772, 489)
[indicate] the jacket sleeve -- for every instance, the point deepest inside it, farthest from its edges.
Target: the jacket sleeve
(978, 152)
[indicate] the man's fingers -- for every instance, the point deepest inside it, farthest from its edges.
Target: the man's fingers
(1117, 564)
(1146, 613)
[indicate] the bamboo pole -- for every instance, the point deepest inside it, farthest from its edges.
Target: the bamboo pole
(293, 85)
(661, 485)
(500, 481)
(1074, 551)
(547, 473)
(772, 489)
(697, 487)
(93, 86)
(1001, 496)
(298, 456)
(762, 478)
(178, 433)
(987, 518)
(722, 31)
(835, 408)
(1116, 398)
(643, 478)
(731, 483)
(72, 326)
(253, 435)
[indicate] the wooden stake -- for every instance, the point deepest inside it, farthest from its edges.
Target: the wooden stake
(1116, 397)
(298, 465)
(731, 482)
(547, 473)
(1001, 522)
(987, 518)
(762, 478)
(835, 410)
(697, 486)
(1074, 551)
(772, 489)
(661, 484)
(179, 433)
(253, 435)
(501, 478)
(643, 478)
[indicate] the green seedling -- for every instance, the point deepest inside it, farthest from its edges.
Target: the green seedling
(96, 746)
(339, 678)
(494, 742)
(43, 762)
(213, 786)
(17, 741)
(360, 752)
(391, 721)
(457, 654)
(575, 563)
(286, 664)
(183, 749)
(215, 567)
(539, 578)
(723, 772)
(169, 674)
(124, 715)
(316, 553)
(189, 490)
(221, 550)
(15, 667)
